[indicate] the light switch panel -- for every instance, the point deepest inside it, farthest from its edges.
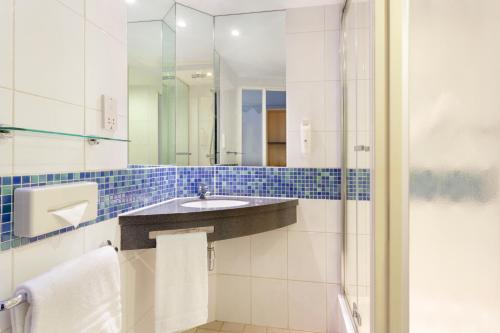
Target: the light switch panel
(109, 113)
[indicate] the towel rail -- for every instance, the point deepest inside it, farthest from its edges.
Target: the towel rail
(23, 297)
(208, 230)
(154, 234)
(12, 302)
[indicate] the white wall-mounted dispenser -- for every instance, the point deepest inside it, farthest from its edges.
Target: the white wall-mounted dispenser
(43, 209)
(305, 137)
(109, 113)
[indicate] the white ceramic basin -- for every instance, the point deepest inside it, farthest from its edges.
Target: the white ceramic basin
(214, 203)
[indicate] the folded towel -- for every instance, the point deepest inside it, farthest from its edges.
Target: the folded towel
(181, 282)
(81, 295)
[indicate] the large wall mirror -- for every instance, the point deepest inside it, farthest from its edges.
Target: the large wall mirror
(206, 90)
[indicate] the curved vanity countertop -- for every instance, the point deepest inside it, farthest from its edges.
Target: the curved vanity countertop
(259, 215)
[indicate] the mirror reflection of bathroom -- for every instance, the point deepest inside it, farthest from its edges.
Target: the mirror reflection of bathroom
(251, 52)
(207, 90)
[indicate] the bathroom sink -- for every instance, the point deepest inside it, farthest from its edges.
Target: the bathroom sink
(216, 203)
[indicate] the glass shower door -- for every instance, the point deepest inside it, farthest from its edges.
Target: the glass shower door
(357, 160)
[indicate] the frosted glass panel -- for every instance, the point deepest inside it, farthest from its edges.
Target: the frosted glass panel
(454, 211)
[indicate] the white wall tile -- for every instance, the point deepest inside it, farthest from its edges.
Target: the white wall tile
(76, 5)
(332, 16)
(364, 264)
(305, 57)
(97, 234)
(109, 15)
(311, 216)
(37, 258)
(333, 109)
(305, 101)
(6, 287)
(363, 210)
(6, 106)
(46, 114)
(333, 148)
(306, 256)
(305, 19)
(363, 105)
(106, 155)
(269, 302)
(6, 144)
(333, 258)
(49, 43)
(212, 297)
(332, 55)
(363, 66)
(362, 13)
(334, 221)
(105, 69)
(39, 153)
(315, 158)
(333, 309)
(138, 290)
(269, 254)
(234, 299)
(6, 41)
(307, 306)
(233, 256)
(352, 88)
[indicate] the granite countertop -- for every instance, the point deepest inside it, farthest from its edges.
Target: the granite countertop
(259, 215)
(174, 206)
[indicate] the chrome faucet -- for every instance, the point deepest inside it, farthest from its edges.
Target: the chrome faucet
(203, 191)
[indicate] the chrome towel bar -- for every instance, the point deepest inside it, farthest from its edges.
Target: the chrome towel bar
(23, 297)
(12, 302)
(154, 234)
(208, 230)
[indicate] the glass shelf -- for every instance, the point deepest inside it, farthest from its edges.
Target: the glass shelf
(92, 138)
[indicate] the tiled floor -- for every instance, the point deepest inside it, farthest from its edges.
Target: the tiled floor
(227, 327)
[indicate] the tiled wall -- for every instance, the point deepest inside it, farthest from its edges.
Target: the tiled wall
(313, 84)
(287, 278)
(56, 60)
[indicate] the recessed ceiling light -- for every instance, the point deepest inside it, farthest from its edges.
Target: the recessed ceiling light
(209, 74)
(181, 23)
(235, 33)
(130, 1)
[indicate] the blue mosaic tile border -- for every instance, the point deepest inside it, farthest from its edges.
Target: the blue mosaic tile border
(139, 186)
(190, 178)
(308, 183)
(119, 191)
(358, 184)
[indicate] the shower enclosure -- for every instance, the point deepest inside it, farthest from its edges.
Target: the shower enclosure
(356, 89)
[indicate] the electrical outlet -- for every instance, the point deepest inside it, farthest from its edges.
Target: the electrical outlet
(109, 113)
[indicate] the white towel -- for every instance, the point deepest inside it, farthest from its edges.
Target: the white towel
(81, 295)
(181, 282)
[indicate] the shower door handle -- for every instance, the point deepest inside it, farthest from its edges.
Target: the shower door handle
(362, 148)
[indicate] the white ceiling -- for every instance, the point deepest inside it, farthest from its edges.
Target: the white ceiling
(146, 10)
(143, 10)
(223, 7)
(259, 52)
